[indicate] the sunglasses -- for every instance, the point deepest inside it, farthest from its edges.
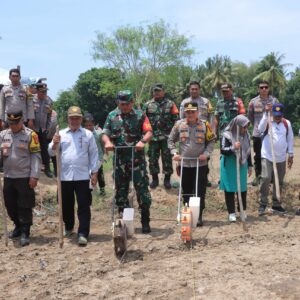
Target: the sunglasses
(264, 87)
(15, 75)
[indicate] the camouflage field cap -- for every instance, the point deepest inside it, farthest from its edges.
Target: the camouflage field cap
(158, 87)
(124, 96)
(226, 87)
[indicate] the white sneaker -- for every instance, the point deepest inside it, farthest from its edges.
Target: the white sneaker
(82, 240)
(232, 217)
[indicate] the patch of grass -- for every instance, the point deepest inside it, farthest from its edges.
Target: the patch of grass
(102, 202)
(107, 166)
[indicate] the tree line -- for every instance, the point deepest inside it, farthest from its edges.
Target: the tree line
(135, 57)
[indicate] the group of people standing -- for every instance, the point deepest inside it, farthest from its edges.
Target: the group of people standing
(195, 126)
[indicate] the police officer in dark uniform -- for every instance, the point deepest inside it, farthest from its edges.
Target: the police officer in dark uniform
(20, 151)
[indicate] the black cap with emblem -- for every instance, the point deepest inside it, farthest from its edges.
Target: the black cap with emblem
(14, 116)
(190, 106)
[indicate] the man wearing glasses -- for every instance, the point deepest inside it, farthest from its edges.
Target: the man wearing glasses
(42, 109)
(14, 97)
(129, 127)
(256, 109)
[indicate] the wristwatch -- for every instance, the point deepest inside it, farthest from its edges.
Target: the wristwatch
(143, 141)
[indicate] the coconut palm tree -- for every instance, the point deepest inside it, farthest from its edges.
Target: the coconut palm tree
(273, 70)
(218, 72)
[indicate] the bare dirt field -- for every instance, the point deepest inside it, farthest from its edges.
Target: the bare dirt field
(225, 262)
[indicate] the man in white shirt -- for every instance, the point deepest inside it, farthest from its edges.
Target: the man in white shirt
(79, 159)
(283, 141)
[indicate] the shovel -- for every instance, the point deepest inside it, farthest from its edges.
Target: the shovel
(59, 195)
(3, 212)
(277, 187)
(238, 176)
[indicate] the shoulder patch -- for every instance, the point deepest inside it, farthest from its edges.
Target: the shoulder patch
(209, 132)
(34, 145)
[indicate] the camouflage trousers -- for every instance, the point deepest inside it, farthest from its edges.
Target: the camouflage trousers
(155, 149)
(123, 176)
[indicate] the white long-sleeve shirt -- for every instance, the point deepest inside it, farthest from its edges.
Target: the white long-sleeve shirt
(79, 154)
(283, 142)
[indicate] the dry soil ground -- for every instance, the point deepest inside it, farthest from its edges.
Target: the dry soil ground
(224, 263)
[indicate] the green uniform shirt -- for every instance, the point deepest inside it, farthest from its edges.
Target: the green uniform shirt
(162, 114)
(126, 129)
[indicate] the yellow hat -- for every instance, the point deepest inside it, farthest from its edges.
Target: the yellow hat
(74, 111)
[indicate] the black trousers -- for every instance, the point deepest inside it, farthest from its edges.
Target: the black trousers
(101, 180)
(44, 148)
(229, 199)
(83, 194)
(19, 200)
(189, 184)
(257, 143)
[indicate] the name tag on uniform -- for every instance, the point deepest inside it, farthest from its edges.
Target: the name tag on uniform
(258, 109)
(5, 149)
(8, 94)
(22, 96)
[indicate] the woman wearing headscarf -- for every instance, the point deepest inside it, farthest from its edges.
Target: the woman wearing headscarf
(230, 144)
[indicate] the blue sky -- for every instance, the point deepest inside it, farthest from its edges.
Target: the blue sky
(52, 38)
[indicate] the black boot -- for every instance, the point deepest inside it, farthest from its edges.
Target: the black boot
(200, 221)
(15, 233)
(25, 232)
(167, 182)
(154, 182)
(145, 218)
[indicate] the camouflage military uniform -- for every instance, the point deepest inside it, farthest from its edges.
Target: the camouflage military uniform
(127, 130)
(226, 110)
(15, 97)
(21, 160)
(162, 114)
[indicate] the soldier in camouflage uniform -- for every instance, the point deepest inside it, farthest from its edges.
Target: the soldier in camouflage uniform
(15, 96)
(256, 109)
(126, 126)
(162, 114)
(227, 108)
(20, 151)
